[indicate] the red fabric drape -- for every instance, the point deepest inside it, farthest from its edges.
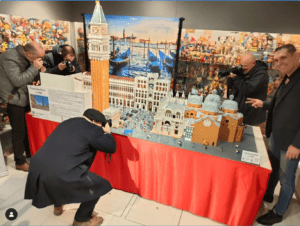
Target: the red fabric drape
(223, 190)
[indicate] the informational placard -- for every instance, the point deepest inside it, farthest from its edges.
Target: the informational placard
(251, 157)
(57, 105)
(3, 170)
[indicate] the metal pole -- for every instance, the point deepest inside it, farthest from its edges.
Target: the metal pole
(181, 19)
(87, 61)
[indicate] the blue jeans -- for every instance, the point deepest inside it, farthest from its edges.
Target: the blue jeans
(284, 170)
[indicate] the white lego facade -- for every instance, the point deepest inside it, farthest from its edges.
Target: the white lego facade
(113, 114)
(149, 91)
(87, 82)
(140, 92)
(98, 39)
(169, 119)
(121, 91)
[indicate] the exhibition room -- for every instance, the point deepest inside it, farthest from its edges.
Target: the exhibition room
(149, 113)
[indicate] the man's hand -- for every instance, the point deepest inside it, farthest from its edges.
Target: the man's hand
(106, 128)
(38, 63)
(231, 75)
(62, 66)
(43, 69)
(292, 152)
(73, 68)
(255, 102)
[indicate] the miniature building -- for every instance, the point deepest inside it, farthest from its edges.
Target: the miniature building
(169, 119)
(207, 124)
(231, 125)
(194, 103)
(99, 55)
(121, 91)
(87, 83)
(149, 91)
(189, 130)
(218, 122)
(113, 114)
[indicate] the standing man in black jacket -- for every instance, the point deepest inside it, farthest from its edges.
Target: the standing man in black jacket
(62, 61)
(283, 128)
(59, 172)
(253, 83)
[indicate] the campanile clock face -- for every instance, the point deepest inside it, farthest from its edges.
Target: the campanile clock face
(207, 123)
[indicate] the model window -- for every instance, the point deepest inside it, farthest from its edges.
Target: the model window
(167, 123)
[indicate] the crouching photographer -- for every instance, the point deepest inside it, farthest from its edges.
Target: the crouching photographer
(61, 61)
(250, 80)
(59, 172)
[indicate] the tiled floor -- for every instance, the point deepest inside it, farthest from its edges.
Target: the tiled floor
(117, 208)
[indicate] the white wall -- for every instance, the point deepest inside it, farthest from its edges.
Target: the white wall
(272, 17)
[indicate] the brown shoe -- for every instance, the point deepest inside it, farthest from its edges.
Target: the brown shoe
(58, 210)
(24, 167)
(93, 221)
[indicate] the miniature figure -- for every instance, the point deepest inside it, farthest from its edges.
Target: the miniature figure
(221, 149)
(180, 143)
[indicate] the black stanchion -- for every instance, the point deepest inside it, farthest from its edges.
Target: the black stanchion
(181, 19)
(87, 61)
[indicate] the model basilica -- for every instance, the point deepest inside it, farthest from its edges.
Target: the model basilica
(204, 122)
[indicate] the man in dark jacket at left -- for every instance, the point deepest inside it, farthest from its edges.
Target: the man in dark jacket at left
(253, 83)
(18, 68)
(62, 61)
(59, 172)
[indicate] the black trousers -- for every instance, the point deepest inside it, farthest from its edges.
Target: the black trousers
(85, 210)
(274, 176)
(20, 141)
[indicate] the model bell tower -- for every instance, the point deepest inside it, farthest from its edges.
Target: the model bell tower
(98, 45)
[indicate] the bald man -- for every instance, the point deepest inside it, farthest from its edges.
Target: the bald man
(253, 83)
(18, 68)
(55, 61)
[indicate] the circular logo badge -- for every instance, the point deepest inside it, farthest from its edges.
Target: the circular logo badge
(11, 214)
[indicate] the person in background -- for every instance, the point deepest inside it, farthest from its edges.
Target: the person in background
(283, 128)
(18, 67)
(61, 61)
(253, 83)
(59, 172)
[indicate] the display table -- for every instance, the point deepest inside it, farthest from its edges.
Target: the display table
(223, 190)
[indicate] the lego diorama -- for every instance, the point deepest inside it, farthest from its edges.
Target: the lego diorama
(144, 106)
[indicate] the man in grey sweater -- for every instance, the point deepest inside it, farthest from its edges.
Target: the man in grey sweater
(18, 68)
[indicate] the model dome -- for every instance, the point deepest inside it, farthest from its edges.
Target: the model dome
(230, 104)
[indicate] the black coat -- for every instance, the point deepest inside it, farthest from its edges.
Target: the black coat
(53, 59)
(251, 85)
(59, 171)
(284, 118)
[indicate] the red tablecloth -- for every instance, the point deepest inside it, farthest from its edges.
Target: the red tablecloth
(223, 190)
